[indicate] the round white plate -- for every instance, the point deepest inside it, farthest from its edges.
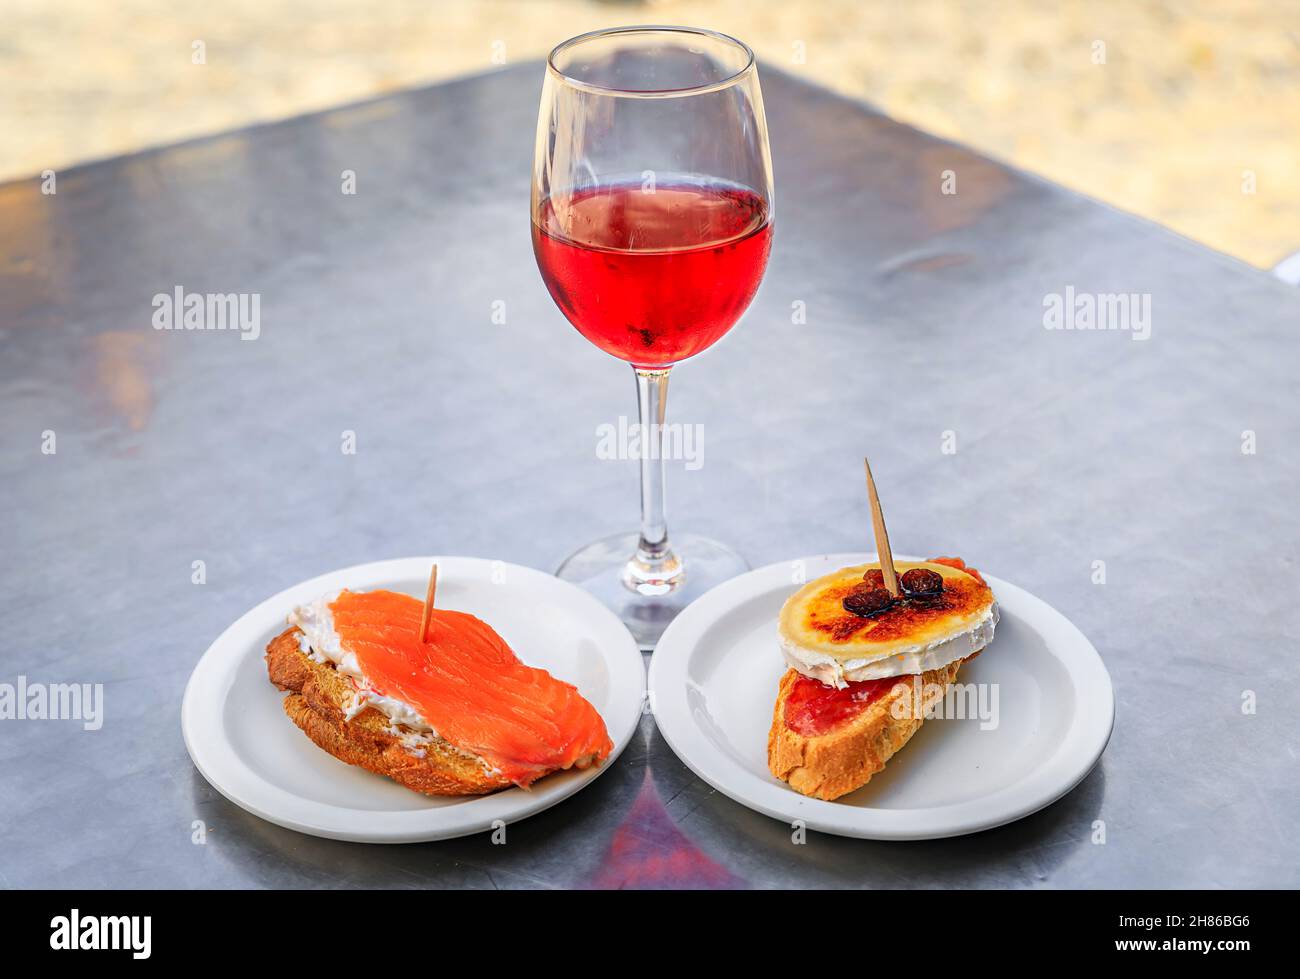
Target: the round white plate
(713, 681)
(243, 743)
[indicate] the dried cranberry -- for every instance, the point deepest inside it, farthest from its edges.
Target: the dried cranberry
(866, 601)
(922, 581)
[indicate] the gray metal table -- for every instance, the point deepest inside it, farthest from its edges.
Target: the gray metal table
(477, 437)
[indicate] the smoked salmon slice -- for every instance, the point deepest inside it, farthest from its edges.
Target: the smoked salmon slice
(469, 686)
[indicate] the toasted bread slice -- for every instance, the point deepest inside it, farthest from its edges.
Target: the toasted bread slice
(827, 766)
(318, 703)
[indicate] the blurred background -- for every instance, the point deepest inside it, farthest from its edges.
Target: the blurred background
(1184, 111)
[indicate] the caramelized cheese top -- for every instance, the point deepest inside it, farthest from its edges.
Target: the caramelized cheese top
(814, 617)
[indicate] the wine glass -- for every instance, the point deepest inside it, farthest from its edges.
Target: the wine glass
(652, 217)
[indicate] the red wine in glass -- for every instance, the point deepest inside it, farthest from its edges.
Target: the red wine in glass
(652, 211)
(653, 274)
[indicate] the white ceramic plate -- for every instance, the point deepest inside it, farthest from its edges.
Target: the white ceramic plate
(713, 681)
(241, 741)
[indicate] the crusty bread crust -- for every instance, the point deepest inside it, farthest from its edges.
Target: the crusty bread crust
(317, 704)
(830, 765)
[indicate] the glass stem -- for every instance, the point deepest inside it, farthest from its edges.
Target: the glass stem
(654, 569)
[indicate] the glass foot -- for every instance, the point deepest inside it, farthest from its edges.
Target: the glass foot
(607, 568)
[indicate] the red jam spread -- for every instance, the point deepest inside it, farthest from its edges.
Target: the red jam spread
(813, 708)
(960, 565)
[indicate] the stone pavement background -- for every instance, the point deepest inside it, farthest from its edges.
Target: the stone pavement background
(1189, 114)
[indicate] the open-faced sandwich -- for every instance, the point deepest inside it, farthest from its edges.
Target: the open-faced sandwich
(441, 705)
(858, 657)
(870, 648)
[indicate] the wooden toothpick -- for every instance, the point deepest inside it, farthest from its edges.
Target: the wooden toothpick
(428, 604)
(882, 535)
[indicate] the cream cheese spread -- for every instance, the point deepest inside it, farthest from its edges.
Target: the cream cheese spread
(320, 643)
(902, 662)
